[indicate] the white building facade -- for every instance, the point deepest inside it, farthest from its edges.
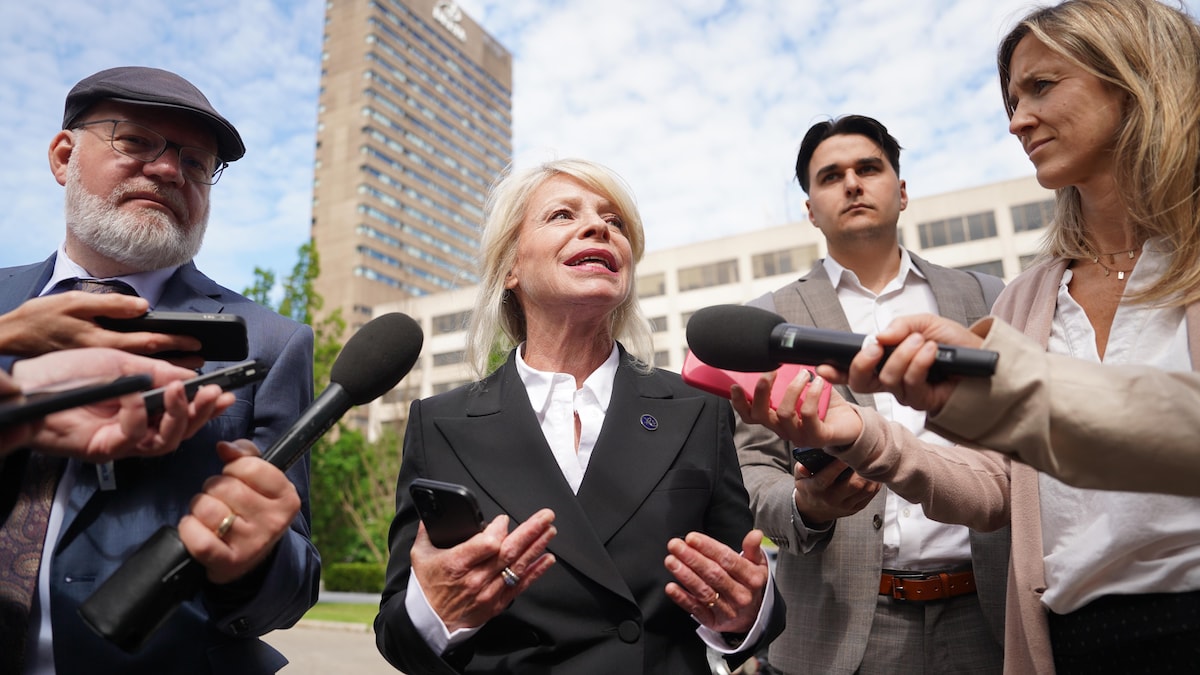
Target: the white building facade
(995, 228)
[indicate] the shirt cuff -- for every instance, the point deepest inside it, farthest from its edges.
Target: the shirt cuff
(718, 642)
(807, 537)
(428, 624)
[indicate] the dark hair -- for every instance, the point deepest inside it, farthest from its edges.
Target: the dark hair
(859, 125)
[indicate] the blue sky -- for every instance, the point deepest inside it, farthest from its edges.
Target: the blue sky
(700, 105)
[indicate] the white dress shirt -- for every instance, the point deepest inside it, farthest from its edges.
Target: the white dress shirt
(911, 541)
(1102, 542)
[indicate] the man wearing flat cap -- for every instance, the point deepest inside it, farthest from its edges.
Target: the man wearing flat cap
(139, 154)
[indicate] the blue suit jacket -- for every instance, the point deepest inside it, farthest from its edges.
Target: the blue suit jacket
(216, 632)
(602, 607)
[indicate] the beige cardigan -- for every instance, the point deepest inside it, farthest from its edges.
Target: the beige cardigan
(985, 489)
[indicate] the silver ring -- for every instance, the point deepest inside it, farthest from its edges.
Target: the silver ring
(510, 577)
(226, 525)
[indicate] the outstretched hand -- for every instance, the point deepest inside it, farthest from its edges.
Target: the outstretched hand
(801, 425)
(723, 589)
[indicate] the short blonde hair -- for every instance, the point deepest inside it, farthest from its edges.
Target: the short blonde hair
(1151, 54)
(498, 321)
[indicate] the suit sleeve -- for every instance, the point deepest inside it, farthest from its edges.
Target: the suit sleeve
(397, 638)
(285, 586)
(1089, 425)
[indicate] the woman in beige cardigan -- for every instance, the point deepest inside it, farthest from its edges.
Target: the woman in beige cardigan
(1104, 96)
(1114, 427)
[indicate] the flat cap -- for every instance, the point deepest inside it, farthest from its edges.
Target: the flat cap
(152, 87)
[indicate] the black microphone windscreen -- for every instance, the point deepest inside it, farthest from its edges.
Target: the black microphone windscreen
(377, 357)
(734, 337)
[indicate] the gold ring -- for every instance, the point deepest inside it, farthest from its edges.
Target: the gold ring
(715, 598)
(226, 525)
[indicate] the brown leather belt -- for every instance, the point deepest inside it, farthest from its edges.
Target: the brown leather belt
(925, 587)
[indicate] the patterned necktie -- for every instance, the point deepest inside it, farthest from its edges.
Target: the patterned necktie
(21, 540)
(97, 286)
(23, 533)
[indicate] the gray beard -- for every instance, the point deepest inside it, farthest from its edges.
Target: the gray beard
(143, 240)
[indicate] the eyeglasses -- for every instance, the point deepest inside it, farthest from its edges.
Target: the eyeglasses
(147, 145)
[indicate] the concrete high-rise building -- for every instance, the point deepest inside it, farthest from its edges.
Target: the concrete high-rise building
(414, 124)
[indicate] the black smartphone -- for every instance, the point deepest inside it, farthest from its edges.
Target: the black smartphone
(229, 378)
(813, 459)
(40, 402)
(222, 336)
(450, 512)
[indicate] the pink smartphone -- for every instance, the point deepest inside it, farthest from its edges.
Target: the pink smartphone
(717, 381)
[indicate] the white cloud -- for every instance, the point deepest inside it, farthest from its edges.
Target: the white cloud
(699, 104)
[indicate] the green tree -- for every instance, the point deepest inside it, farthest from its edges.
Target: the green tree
(352, 480)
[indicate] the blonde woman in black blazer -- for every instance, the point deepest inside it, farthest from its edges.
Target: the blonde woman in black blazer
(624, 556)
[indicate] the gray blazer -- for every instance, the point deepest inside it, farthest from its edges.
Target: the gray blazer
(832, 591)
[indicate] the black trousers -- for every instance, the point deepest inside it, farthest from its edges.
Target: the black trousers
(1151, 633)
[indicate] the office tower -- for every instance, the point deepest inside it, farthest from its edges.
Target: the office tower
(414, 124)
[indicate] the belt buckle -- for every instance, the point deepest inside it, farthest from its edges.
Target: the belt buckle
(898, 579)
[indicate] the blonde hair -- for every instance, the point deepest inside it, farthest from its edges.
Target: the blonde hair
(497, 321)
(1151, 54)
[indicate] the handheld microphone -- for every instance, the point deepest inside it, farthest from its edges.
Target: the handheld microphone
(749, 339)
(148, 587)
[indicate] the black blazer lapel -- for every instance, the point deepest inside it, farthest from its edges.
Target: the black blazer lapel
(516, 469)
(644, 430)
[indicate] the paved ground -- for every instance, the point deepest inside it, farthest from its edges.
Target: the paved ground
(329, 648)
(325, 648)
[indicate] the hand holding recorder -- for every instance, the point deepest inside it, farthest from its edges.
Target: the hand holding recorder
(68, 320)
(107, 428)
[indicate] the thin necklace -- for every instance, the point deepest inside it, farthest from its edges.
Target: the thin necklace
(1112, 260)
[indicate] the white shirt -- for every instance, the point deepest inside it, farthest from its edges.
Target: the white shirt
(1101, 542)
(911, 541)
(555, 402)
(39, 645)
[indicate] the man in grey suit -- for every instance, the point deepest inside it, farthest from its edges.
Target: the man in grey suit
(138, 154)
(871, 584)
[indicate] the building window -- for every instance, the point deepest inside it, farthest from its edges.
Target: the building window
(658, 324)
(661, 359)
(448, 358)
(1035, 216)
(992, 267)
(790, 261)
(652, 285)
(450, 323)
(703, 276)
(958, 229)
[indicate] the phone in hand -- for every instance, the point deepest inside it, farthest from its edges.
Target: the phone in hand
(450, 511)
(37, 403)
(813, 459)
(228, 378)
(222, 336)
(717, 381)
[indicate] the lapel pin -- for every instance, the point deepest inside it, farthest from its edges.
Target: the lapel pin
(649, 422)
